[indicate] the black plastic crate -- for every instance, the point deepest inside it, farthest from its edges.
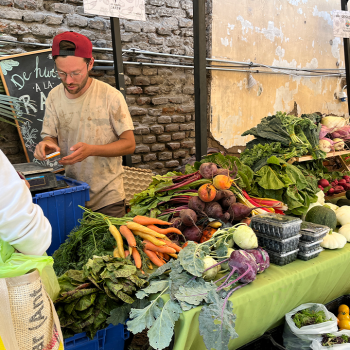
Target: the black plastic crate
(277, 225)
(271, 340)
(333, 305)
(278, 245)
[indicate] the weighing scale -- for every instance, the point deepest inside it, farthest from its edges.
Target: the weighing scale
(40, 178)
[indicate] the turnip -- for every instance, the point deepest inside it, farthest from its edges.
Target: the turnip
(338, 144)
(210, 274)
(196, 204)
(188, 217)
(245, 237)
(214, 210)
(324, 183)
(192, 233)
(208, 170)
(261, 257)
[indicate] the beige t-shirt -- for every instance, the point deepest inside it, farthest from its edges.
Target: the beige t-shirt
(98, 117)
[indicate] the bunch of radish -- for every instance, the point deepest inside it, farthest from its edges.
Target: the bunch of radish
(214, 200)
(337, 186)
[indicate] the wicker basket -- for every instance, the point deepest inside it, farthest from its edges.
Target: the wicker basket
(135, 181)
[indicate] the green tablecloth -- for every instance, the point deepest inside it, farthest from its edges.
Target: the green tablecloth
(262, 304)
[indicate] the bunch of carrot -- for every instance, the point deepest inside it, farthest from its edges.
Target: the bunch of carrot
(156, 244)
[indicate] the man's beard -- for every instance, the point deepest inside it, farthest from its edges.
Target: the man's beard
(79, 87)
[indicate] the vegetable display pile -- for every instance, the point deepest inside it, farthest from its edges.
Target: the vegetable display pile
(309, 317)
(284, 136)
(330, 339)
(189, 283)
(87, 296)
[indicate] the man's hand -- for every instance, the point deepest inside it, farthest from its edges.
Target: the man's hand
(81, 151)
(45, 147)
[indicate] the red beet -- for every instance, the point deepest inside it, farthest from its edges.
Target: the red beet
(214, 210)
(208, 170)
(239, 211)
(192, 233)
(338, 189)
(188, 217)
(196, 204)
(323, 182)
(330, 192)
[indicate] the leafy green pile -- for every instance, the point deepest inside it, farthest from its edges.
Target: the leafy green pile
(309, 317)
(296, 137)
(286, 183)
(87, 296)
(159, 314)
(330, 339)
(91, 237)
(256, 157)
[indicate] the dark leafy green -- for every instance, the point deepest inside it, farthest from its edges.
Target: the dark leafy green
(88, 296)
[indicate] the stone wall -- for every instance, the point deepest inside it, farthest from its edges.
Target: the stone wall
(160, 99)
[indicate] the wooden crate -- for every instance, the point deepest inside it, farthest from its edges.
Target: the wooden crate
(135, 181)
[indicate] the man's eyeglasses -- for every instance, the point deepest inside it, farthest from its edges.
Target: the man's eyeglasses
(73, 75)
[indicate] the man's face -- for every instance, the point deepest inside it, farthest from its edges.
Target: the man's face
(73, 72)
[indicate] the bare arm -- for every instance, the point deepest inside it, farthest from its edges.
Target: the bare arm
(125, 145)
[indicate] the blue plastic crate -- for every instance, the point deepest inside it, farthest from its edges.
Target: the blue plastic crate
(61, 208)
(110, 338)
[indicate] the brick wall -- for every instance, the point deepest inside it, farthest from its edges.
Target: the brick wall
(161, 100)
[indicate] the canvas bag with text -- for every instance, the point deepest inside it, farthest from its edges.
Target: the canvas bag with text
(28, 318)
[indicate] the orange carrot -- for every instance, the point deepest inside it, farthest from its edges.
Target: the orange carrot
(166, 256)
(153, 257)
(171, 245)
(137, 258)
(164, 231)
(162, 249)
(161, 257)
(126, 253)
(127, 234)
(144, 220)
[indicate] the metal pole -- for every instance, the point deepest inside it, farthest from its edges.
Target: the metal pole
(200, 77)
(344, 7)
(118, 67)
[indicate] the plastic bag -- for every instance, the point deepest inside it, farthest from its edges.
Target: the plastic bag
(316, 343)
(295, 338)
(16, 264)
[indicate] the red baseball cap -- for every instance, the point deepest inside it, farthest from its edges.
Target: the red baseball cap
(83, 45)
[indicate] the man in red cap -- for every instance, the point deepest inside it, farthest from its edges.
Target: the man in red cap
(88, 121)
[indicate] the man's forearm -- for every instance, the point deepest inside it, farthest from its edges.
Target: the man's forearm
(114, 149)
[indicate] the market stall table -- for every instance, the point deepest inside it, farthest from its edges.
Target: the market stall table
(262, 304)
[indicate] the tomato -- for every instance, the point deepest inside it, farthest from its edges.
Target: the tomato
(344, 324)
(343, 316)
(343, 308)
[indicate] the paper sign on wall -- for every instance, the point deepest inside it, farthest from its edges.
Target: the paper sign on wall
(128, 9)
(341, 24)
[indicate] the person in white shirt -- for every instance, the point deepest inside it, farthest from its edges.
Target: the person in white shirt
(22, 223)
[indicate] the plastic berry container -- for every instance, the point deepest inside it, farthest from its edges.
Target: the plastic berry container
(310, 255)
(312, 232)
(278, 245)
(309, 247)
(282, 259)
(276, 225)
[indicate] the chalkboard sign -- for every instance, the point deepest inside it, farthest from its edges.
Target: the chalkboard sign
(30, 77)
